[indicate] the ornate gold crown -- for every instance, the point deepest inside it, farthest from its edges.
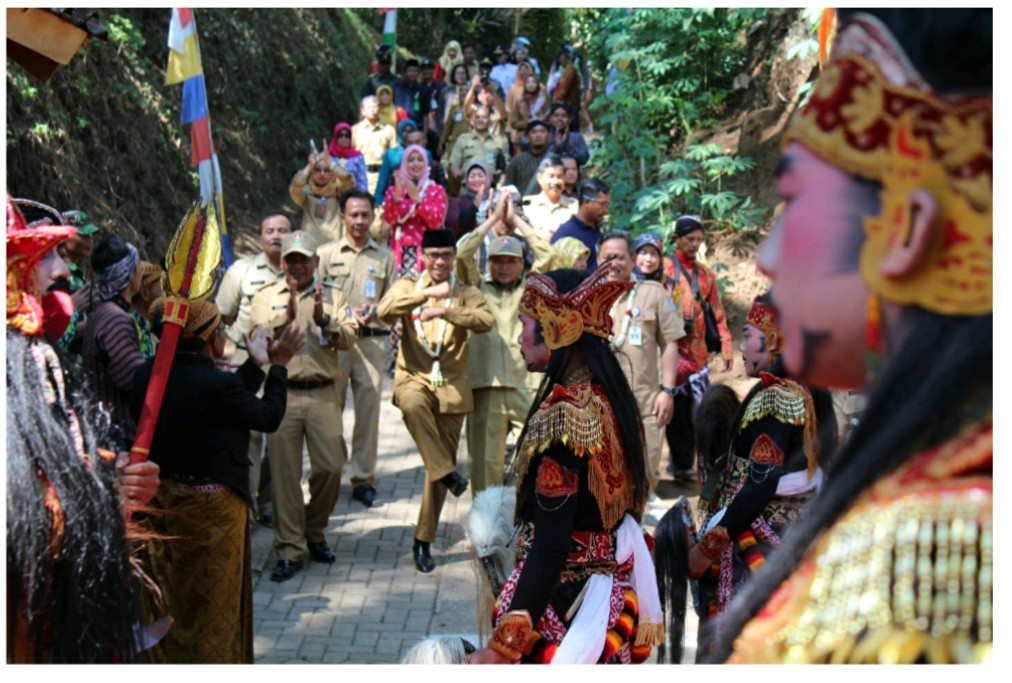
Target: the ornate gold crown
(25, 249)
(872, 115)
(564, 317)
(764, 317)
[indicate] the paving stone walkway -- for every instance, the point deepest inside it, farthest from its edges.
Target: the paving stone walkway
(372, 605)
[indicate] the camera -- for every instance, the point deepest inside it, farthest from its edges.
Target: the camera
(484, 78)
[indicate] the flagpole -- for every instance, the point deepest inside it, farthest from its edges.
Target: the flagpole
(216, 181)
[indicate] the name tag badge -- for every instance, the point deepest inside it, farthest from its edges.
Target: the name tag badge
(459, 117)
(370, 288)
(636, 336)
(279, 307)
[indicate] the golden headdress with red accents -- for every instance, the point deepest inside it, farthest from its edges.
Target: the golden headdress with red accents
(564, 317)
(764, 317)
(873, 115)
(26, 247)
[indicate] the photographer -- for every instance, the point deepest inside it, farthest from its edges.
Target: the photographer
(486, 91)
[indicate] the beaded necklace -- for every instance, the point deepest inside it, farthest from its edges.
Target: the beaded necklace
(619, 340)
(436, 374)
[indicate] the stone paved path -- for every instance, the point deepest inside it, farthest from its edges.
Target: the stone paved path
(372, 605)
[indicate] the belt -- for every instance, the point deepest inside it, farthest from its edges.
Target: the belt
(372, 332)
(310, 384)
(373, 168)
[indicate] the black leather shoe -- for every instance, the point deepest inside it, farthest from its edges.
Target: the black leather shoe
(321, 553)
(455, 483)
(286, 569)
(366, 494)
(423, 560)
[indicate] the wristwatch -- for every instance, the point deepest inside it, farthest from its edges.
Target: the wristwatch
(325, 320)
(670, 391)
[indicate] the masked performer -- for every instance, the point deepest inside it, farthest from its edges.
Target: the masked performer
(72, 595)
(882, 275)
(584, 589)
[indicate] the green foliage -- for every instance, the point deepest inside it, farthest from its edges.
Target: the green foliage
(672, 70)
(425, 31)
(124, 32)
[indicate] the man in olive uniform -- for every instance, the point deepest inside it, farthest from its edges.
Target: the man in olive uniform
(312, 413)
(431, 386)
(243, 279)
(646, 325)
(502, 387)
(363, 271)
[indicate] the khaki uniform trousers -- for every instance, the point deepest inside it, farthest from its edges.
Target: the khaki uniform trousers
(436, 435)
(653, 440)
(497, 410)
(311, 415)
(362, 367)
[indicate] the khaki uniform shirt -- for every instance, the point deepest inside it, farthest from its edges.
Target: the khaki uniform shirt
(326, 229)
(351, 271)
(317, 360)
(546, 217)
(495, 359)
(242, 281)
(469, 147)
(659, 323)
(466, 312)
(372, 140)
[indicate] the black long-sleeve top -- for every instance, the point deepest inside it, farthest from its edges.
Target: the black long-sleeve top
(206, 417)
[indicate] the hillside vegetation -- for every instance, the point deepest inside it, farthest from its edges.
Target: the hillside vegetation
(104, 134)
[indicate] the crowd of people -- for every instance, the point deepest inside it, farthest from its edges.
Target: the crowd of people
(451, 238)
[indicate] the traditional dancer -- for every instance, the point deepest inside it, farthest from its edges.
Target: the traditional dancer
(882, 273)
(584, 589)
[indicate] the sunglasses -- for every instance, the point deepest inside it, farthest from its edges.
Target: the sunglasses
(344, 134)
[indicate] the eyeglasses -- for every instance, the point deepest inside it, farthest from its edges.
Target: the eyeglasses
(439, 255)
(344, 134)
(605, 204)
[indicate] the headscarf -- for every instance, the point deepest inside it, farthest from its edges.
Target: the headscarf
(446, 62)
(404, 162)
(652, 240)
(202, 318)
(465, 190)
(336, 150)
(334, 187)
(150, 272)
(115, 277)
(401, 127)
(387, 114)
(567, 251)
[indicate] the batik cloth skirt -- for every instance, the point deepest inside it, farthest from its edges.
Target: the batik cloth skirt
(204, 571)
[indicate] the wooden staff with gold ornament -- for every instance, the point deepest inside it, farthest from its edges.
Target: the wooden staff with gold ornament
(190, 267)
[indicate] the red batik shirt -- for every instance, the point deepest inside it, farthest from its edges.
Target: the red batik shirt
(693, 344)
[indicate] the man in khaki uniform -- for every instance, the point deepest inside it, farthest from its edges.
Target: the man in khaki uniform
(243, 279)
(646, 325)
(363, 271)
(312, 413)
(373, 138)
(502, 387)
(479, 144)
(431, 385)
(549, 209)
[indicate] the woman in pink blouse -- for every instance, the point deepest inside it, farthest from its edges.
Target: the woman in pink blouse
(413, 205)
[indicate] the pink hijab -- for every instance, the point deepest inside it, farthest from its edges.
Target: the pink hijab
(343, 152)
(404, 162)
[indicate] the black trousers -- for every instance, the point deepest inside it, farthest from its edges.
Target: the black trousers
(681, 433)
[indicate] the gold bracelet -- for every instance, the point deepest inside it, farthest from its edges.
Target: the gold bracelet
(511, 636)
(714, 542)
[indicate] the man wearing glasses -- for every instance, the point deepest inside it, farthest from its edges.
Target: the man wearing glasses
(431, 384)
(595, 198)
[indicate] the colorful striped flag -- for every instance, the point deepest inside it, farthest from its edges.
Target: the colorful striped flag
(185, 67)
